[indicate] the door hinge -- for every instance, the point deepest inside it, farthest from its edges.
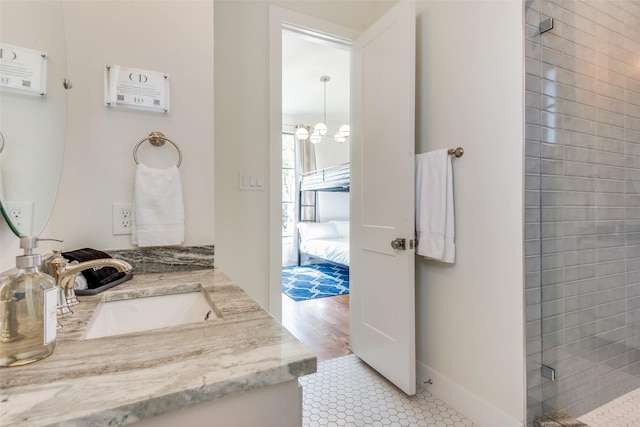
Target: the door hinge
(548, 372)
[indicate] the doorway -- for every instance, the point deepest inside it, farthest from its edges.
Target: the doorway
(315, 89)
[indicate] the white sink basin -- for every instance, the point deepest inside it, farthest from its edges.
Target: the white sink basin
(123, 315)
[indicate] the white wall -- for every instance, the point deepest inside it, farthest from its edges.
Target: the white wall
(98, 163)
(470, 314)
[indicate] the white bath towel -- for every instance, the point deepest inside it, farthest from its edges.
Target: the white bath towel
(158, 208)
(434, 206)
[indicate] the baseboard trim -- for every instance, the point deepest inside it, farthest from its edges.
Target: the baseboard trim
(468, 404)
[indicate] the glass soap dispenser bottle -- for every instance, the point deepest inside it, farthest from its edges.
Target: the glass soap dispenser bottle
(28, 303)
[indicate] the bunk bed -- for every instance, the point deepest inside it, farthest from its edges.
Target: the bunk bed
(326, 241)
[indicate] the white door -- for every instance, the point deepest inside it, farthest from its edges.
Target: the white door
(382, 293)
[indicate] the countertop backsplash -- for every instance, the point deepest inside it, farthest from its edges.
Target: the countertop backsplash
(168, 259)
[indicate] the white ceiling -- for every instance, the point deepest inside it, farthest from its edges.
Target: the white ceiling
(303, 62)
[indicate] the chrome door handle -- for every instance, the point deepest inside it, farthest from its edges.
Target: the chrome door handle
(399, 244)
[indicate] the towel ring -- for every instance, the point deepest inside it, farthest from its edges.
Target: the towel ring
(156, 139)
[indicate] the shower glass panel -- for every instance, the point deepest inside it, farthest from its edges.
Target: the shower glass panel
(582, 203)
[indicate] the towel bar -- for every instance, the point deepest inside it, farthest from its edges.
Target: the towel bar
(157, 139)
(458, 152)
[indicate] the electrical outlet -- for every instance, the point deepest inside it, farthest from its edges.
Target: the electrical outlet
(21, 216)
(122, 218)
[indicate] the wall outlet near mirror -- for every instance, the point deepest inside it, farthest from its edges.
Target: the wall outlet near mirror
(21, 216)
(122, 218)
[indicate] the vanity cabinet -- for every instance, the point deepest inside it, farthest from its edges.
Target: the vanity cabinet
(240, 369)
(278, 405)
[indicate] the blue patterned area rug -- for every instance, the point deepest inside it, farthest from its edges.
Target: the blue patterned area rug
(314, 281)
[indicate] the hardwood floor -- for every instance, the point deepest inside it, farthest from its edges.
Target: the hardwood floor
(321, 324)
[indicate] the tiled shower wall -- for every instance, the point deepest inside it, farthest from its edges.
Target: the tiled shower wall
(582, 202)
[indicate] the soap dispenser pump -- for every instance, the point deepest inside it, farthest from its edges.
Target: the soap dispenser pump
(28, 303)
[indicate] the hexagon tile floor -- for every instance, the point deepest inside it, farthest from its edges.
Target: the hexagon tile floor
(347, 392)
(621, 412)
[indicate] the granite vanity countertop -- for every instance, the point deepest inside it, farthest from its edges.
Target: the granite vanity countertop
(122, 379)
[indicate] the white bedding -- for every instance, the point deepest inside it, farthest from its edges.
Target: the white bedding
(334, 250)
(325, 240)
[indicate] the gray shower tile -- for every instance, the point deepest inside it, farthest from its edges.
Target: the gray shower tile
(580, 302)
(551, 324)
(552, 277)
(611, 172)
(552, 229)
(580, 317)
(612, 300)
(613, 132)
(609, 283)
(633, 303)
(573, 243)
(612, 159)
(579, 198)
(586, 170)
(580, 213)
(581, 363)
(609, 145)
(580, 332)
(551, 262)
(551, 104)
(532, 231)
(583, 89)
(575, 124)
(610, 104)
(632, 97)
(617, 254)
(633, 175)
(632, 123)
(579, 273)
(586, 256)
(610, 199)
(633, 264)
(532, 313)
(610, 232)
(532, 198)
(581, 287)
(583, 347)
(552, 292)
(612, 308)
(632, 213)
(581, 111)
(632, 138)
(532, 165)
(612, 213)
(580, 96)
(575, 139)
(633, 284)
(610, 186)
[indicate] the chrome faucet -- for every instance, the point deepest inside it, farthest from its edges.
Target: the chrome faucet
(65, 274)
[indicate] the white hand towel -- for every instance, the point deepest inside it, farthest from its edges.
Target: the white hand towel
(434, 206)
(158, 208)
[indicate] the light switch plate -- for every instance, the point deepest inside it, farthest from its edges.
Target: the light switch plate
(250, 181)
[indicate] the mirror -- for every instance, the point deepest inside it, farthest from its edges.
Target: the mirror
(32, 126)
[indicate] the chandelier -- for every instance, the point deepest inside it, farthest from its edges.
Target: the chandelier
(320, 129)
